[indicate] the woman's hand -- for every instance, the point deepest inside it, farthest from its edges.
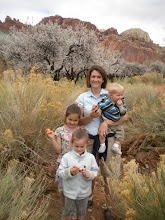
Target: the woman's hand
(95, 112)
(103, 129)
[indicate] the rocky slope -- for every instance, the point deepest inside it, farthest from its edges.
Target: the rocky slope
(134, 43)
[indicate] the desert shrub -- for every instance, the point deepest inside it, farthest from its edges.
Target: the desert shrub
(29, 105)
(22, 193)
(152, 78)
(137, 196)
(146, 115)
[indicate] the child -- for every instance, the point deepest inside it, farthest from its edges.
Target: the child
(62, 136)
(77, 169)
(113, 108)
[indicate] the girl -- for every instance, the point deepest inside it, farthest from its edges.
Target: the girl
(77, 169)
(62, 136)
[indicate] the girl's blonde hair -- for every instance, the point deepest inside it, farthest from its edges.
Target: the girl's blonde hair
(115, 87)
(79, 134)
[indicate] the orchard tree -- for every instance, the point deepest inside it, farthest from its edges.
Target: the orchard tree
(134, 69)
(61, 52)
(44, 44)
(157, 67)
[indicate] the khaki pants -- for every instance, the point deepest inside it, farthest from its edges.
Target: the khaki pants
(110, 167)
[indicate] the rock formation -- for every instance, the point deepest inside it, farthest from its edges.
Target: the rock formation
(9, 23)
(67, 22)
(136, 34)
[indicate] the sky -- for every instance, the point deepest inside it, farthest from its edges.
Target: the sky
(148, 15)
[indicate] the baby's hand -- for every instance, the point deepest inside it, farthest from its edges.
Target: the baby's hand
(119, 102)
(86, 174)
(74, 170)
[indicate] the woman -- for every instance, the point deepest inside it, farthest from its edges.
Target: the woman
(97, 81)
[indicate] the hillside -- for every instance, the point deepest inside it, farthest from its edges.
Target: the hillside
(134, 43)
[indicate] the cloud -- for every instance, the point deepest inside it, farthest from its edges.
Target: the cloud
(121, 14)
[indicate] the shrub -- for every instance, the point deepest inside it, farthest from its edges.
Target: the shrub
(146, 116)
(137, 196)
(29, 105)
(22, 193)
(153, 78)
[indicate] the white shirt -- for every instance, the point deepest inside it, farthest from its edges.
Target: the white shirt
(77, 186)
(87, 99)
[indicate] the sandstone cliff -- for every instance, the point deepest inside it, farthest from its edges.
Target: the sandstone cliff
(9, 23)
(134, 43)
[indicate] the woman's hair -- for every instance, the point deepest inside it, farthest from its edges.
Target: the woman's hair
(101, 71)
(115, 87)
(79, 134)
(73, 109)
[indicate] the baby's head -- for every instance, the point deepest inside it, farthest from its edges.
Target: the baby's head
(79, 140)
(115, 92)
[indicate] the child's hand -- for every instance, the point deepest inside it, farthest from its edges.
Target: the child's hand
(48, 130)
(50, 133)
(119, 102)
(86, 174)
(74, 170)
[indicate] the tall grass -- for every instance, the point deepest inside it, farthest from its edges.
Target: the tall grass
(28, 105)
(22, 193)
(147, 78)
(137, 196)
(146, 114)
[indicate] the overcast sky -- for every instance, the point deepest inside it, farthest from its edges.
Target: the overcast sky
(148, 15)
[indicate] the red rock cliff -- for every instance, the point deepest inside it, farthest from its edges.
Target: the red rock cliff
(9, 23)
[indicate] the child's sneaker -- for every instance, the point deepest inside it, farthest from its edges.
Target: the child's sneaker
(102, 148)
(115, 149)
(74, 216)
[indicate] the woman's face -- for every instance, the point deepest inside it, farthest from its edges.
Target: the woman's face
(96, 79)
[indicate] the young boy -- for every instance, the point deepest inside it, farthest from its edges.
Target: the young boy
(77, 169)
(113, 108)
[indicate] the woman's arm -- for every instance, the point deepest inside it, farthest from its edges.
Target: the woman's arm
(93, 114)
(104, 125)
(123, 119)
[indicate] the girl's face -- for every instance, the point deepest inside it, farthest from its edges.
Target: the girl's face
(96, 79)
(72, 121)
(79, 145)
(116, 96)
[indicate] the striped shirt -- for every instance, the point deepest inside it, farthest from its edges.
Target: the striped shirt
(111, 111)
